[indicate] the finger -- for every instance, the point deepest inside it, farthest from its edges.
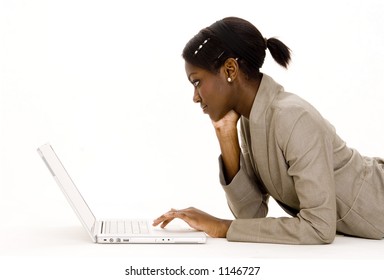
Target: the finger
(159, 220)
(156, 222)
(164, 219)
(186, 217)
(163, 216)
(165, 223)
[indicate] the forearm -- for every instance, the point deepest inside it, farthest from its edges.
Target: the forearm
(243, 194)
(230, 151)
(283, 230)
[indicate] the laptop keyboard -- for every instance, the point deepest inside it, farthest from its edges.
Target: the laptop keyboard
(124, 227)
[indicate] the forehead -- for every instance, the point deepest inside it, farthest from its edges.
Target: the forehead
(191, 70)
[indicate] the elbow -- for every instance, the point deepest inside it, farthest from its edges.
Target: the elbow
(321, 229)
(324, 235)
(318, 238)
(328, 238)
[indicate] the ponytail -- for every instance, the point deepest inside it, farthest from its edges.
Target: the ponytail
(279, 51)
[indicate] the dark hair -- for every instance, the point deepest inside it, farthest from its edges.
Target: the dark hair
(237, 38)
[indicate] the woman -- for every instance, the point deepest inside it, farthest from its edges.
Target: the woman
(288, 150)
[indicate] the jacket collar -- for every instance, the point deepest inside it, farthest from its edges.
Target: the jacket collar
(259, 122)
(264, 98)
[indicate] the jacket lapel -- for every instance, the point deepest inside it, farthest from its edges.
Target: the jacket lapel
(259, 126)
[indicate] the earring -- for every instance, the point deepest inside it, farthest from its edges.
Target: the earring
(229, 80)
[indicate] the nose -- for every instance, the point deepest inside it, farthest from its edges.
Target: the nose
(196, 97)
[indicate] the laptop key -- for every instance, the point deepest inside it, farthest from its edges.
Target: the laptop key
(128, 227)
(113, 227)
(143, 227)
(120, 227)
(135, 227)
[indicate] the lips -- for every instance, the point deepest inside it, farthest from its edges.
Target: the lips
(204, 108)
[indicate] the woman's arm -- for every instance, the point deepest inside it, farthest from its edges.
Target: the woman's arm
(306, 141)
(244, 199)
(226, 132)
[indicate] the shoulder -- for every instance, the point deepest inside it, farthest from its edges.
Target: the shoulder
(281, 112)
(272, 98)
(277, 99)
(291, 117)
(288, 107)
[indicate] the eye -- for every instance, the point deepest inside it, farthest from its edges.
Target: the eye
(195, 83)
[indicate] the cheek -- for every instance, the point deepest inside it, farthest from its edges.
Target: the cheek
(219, 105)
(220, 96)
(213, 91)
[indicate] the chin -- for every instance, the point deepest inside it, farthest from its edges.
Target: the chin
(216, 118)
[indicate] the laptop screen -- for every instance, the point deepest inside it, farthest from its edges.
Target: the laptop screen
(68, 187)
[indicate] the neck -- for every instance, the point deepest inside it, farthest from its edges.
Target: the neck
(247, 93)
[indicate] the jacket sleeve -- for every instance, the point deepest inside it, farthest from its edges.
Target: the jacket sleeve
(306, 144)
(245, 195)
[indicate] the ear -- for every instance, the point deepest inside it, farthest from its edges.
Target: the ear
(231, 69)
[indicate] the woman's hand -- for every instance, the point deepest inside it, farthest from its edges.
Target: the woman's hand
(226, 123)
(196, 219)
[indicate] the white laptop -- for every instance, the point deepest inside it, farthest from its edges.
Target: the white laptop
(112, 231)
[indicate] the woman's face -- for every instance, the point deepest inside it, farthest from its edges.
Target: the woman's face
(211, 90)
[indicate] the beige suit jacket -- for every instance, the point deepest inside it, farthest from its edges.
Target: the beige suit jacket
(290, 152)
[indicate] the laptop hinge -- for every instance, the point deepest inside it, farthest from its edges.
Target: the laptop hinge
(99, 228)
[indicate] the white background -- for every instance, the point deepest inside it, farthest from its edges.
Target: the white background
(104, 83)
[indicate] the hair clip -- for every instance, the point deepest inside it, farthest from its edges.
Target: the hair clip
(220, 54)
(201, 46)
